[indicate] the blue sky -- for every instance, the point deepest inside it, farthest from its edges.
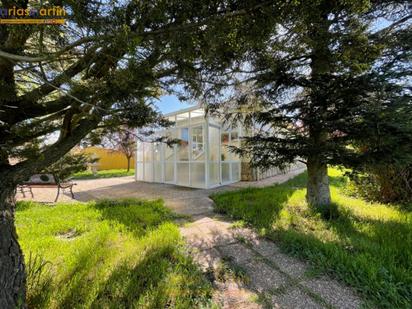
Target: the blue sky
(170, 103)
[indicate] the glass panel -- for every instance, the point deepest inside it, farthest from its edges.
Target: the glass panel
(197, 174)
(235, 142)
(236, 171)
(147, 152)
(139, 171)
(169, 150)
(183, 174)
(172, 119)
(169, 172)
(157, 172)
(197, 113)
(214, 143)
(139, 152)
(157, 152)
(183, 147)
(225, 172)
(224, 152)
(169, 153)
(214, 178)
(182, 119)
(197, 144)
(197, 116)
(148, 172)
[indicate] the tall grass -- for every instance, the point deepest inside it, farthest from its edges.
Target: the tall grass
(366, 245)
(107, 254)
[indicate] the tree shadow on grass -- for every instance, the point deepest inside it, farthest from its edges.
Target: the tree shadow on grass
(340, 181)
(80, 281)
(158, 276)
(375, 264)
(370, 254)
(141, 284)
(127, 284)
(153, 275)
(135, 215)
(356, 257)
(386, 239)
(258, 206)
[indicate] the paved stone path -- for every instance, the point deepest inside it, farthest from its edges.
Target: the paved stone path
(259, 274)
(246, 270)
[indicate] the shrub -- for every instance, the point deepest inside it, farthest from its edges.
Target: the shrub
(390, 183)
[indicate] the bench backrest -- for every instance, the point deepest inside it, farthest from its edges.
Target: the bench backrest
(46, 179)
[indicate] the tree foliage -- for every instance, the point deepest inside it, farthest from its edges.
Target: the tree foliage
(68, 165)
(328, 83)
(103, 68)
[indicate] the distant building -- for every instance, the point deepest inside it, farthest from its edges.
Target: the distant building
(108, 158)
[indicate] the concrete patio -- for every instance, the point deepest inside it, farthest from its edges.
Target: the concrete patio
(183, 200)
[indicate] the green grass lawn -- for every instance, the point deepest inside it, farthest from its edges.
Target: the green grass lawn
(107, 254)
(368, 246)
(103, 174)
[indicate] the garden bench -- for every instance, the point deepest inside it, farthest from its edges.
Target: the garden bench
(45, 181)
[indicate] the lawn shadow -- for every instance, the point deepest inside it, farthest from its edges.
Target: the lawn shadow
(241, 204)
(135, 215)
(39, 280)
(377, 233)
(127, 284)
(78, 283)
(380, 248)
(157, 275)
(23, 205)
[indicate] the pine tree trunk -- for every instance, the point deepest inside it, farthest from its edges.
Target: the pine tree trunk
(12, 269)
(318, 192)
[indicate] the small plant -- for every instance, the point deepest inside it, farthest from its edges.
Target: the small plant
(238, 224)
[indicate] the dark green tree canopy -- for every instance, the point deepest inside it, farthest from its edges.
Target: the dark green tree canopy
(329, 77)
(103, 68)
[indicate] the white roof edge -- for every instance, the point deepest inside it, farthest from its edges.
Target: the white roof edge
(184, 110)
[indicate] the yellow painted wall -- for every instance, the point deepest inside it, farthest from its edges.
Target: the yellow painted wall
(109, 159)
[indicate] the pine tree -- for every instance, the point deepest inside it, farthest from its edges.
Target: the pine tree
(316, 79)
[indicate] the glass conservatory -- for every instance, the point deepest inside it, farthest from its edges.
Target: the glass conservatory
(200, 159)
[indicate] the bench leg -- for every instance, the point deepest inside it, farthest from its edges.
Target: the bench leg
(57, 196)
(71, 191)
(31, 192)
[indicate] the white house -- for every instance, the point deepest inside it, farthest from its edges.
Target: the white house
(201, 159)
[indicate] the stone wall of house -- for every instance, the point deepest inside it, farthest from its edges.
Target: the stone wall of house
(248, 173)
